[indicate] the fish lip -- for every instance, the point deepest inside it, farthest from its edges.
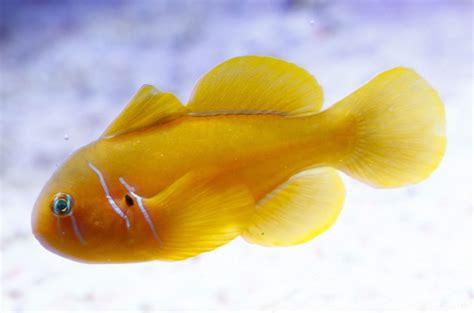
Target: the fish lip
(60, 253)
(44, 242)
(55, 251)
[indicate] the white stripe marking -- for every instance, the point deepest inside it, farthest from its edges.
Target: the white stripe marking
(59, 228)
(76, 229)
(111, 201)
(144, 211)
(126, 185)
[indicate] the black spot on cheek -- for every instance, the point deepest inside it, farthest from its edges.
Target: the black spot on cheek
(128, 200)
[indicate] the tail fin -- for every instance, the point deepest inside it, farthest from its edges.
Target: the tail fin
(398, 128)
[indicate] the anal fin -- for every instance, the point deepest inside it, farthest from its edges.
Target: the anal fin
(299, 210)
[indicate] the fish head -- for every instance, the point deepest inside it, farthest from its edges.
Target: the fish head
(68, 216)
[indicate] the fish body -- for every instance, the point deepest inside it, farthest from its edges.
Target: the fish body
(154, 158)
(249, 155)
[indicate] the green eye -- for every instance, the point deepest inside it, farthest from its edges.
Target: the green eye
(62, 204)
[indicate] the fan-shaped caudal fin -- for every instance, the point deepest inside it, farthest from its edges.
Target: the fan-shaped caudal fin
(198, 213)
(398, 127)
(256, 85)
(299, 210)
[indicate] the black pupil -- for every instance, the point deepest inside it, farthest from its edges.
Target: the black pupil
(62, 206)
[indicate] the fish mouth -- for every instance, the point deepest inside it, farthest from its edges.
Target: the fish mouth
(42, 225)
(52, 246)
(44, 242)
(40, 232)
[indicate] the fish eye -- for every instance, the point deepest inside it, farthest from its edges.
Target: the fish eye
(62, 204)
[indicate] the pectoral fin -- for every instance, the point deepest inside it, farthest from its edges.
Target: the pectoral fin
(199, 212)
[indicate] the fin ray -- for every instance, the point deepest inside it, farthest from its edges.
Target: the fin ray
(148, 107)
(398, 128)
(299, 210)
(200, 212)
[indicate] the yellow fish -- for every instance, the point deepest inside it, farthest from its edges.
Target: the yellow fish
(250, 155)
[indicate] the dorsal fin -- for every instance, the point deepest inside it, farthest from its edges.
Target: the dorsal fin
(148, 107)
(256, 84)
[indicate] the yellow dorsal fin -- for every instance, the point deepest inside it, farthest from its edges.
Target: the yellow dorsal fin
(299, 210)
(148, 107)
(256, 84)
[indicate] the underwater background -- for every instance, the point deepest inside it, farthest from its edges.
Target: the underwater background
(68, 67)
